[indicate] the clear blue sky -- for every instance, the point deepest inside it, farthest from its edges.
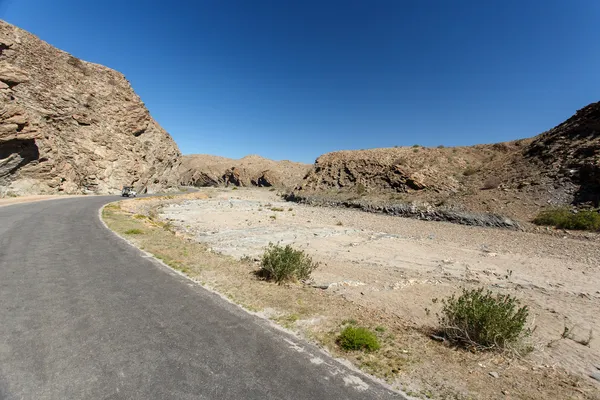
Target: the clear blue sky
(295, 79)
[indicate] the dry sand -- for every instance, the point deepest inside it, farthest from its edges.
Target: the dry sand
(399, 265)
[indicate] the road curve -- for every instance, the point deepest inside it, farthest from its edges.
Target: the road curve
(83, 315)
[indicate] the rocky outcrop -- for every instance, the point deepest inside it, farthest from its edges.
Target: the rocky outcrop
(570, 153)
(206, 170)
(71, 126)
(401, 170)
(426, 212)
(519, 179)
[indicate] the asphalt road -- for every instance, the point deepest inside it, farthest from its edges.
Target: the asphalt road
(83, 315)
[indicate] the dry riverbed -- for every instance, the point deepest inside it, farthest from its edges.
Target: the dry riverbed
(384, 272)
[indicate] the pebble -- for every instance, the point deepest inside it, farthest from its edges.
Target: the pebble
(595, 375)
(494, 374)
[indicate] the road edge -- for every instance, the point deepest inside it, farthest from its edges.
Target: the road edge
(300, 342)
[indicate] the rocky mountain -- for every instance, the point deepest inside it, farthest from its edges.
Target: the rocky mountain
(206, 170)
(519, 178)
(70, 126)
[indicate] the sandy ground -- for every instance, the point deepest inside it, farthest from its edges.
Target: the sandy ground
(6, 201)
(399, 265)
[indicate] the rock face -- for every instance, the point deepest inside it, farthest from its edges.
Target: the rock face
(399, 170)
(69, 126)
(570, 153)
(518, 179)
(206, 170)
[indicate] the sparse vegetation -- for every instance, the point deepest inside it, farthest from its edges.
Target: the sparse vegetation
(339, 223)
(283, 264)
(358, 338)
(134, 231)
(277, 209)
(234, 188)
(360, 188)
(564, 218)
(479, 319)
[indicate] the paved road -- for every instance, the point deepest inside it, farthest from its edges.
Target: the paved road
(85, 316)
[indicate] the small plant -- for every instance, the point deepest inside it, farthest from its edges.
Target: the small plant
(234, 188)
(290, 209)
(416, 146)
(272, 189)
(358, 338)
(167, 226)
(360, 188)
(283, 264)
(482, 320)
(246, 259)
(339, 223)
(273, 216)
(380, 329)
(563, 218)
(134, 231)
(139, 216)
(441, 146)
(277, 209)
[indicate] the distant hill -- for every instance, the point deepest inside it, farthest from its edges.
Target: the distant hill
(518, 178)
(208, 170)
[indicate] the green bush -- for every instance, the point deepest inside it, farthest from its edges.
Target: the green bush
(358, 338)
(482, 320)
(564, 218)
(134, 231)
(282, 264)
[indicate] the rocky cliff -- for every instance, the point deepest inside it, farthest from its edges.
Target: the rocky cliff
(206, 170)
(69, 126)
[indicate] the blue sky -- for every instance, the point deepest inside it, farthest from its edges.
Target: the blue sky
(295, 79)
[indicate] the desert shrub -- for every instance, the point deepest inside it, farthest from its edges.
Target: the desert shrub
(361, 188)
(564, 218)
(277, 209)
(358, 338)
(134, 231)
(416, 145)
(283, 264)
(483, 320)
